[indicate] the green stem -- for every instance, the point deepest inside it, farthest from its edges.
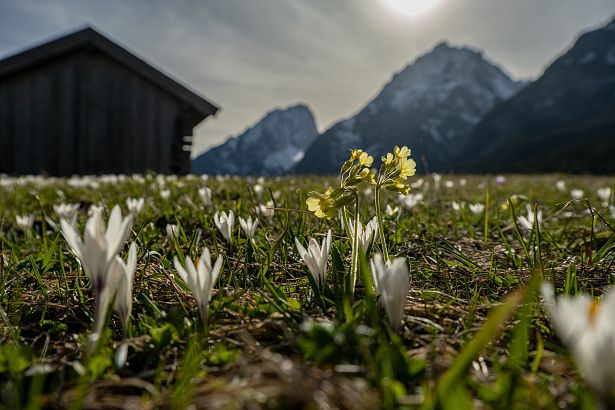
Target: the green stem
(203, 312)
(346, 224)
(385, 251)
(355, 249)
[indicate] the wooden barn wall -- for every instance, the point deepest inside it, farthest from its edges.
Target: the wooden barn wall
(29, 111)
(86, 114)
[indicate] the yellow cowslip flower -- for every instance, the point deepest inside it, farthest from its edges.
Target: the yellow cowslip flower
(388, 159)
(321, 206)
(368, 175)
(366, 160)
(403, 152)
(406, 167)
(405, 190)
(355, 153)
(401, 187)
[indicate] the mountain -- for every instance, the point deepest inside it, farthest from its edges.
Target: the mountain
(431, 106)
(271, 147)
(562, 122)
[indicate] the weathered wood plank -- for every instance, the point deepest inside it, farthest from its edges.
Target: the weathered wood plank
(66, 134)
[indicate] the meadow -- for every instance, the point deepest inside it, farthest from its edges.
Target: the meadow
(474, 332)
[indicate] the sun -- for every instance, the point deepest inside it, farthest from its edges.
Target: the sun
(412, 7)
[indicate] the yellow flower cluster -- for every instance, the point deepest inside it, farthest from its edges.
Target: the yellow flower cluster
(356, 169)
(396, 168)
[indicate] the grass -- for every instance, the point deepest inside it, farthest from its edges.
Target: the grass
(473, 334)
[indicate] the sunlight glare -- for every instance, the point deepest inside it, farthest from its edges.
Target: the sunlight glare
(412, 7)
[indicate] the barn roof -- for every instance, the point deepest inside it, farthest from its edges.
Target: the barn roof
(88, 37)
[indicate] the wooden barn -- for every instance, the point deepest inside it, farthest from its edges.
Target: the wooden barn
(81, 104)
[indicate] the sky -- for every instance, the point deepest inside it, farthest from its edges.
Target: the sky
(251, 56)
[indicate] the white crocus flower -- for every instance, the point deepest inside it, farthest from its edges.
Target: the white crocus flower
(200, 279)
(391, 283)
(587, 328)
(418, 183)
(528, 222)
(411, 200)
(67, 211)
(225, 222)
(249, 226)
(436, 179)
(561, 185)
(315, 257)
(449, 184)
(121, 275)
(463, 182)
(391, 211)
(458, 206)
(205, 194)
(95, 209)
(477, 208)
(135, 205)
(96, 251)
(500, 179)
(265, 210)
(366, 234)
(165, 193)
(24, 222)
(172, 231)
(577, 194)
(258, 190)
(605, 195)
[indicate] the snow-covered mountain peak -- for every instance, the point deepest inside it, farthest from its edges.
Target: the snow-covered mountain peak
(270, 147)
(284, 126)
(433, 77)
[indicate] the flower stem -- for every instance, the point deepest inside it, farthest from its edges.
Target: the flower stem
(383, 243)
(203, 311)
(355, 248)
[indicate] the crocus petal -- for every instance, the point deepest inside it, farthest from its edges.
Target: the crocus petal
(180, 269)
(206, 257)
(115, 220)
(132, 259)
(300, 249)
(116, 241)
(192, 273)
(72, 237)
(216, 269)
